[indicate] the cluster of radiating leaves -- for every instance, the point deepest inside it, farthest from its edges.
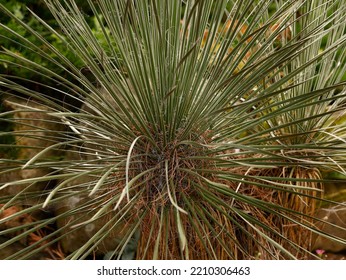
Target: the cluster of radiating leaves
(206, 131)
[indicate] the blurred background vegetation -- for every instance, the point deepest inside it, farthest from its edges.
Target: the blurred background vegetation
(23, 10)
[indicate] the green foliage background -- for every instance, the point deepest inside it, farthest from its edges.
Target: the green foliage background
(22, 10)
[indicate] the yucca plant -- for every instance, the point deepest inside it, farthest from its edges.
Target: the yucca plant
(203, 133)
